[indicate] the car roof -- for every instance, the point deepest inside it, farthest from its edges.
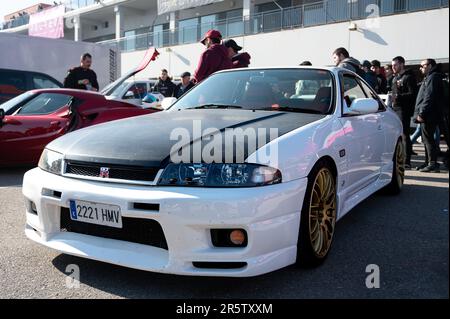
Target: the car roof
(131, 80)
(31, 72)
(324, 68)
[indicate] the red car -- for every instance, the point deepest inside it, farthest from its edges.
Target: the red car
(32, 120)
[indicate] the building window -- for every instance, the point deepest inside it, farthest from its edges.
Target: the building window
(160, 35)
(130, 42)
(187, 30)
(207, 23)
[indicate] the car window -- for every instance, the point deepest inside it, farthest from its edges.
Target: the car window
(291, 90)
(11, 106)
(11, 84)
(370, 93)
(352, 90)
(42, 82)
(139, 90)
(44, 103)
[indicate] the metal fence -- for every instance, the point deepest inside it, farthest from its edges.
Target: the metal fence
(16, 22)
(70, 5)
(77, 4)
(323, 12)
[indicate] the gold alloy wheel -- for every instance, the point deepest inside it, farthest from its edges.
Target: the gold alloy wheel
(322, 212)
(400, 164)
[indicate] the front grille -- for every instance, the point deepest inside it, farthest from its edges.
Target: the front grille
(131, 173)
(134, 230)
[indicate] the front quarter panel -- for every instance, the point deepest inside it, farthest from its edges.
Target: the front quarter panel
(298, 151)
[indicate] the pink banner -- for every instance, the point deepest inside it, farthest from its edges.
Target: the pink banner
(48, 23)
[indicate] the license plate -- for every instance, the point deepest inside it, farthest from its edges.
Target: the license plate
(95, 213)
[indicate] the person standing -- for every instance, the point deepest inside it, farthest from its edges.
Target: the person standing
(381, 79)
(239, 60)
(428, 112)
(404, 93)
(370, 77)
(389, 77)
(164, 85)
(342, 59)
(82, 77)
(184, 86)
(214, 58)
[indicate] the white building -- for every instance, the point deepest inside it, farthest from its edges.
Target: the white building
(282, 32)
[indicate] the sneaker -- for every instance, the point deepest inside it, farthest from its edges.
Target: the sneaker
(421, 167)
(432, 168)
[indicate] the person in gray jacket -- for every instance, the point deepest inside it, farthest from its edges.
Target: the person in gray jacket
(342, 59)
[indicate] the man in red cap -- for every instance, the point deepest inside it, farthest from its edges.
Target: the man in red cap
(214, 58)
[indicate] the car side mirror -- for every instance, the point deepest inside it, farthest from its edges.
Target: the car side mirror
(362, 106)
(2, 115)
(168, 102)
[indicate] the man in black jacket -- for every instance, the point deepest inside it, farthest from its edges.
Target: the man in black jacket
(382, 82)
(389, 77)
(82, 77)
(428, 111)
(404, 93)
(164, 85)
(184, 86)
(369, 76)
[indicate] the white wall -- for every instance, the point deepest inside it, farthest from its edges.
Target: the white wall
(415, 36)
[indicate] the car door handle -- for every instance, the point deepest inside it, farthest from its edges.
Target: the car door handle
(380, 127)
(55, 123)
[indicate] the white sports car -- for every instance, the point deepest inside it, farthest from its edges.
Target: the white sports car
(245, 174)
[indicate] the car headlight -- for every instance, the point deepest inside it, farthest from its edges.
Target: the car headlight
(219, 175)
(51, 162)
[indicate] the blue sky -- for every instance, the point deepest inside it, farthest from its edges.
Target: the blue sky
(8, 6)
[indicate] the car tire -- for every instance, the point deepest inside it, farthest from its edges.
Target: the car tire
(398, 171)
(318, 217)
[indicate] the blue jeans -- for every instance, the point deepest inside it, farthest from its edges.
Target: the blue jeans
(418, 133)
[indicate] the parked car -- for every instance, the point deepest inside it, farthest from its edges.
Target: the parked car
(15, 82)
(136, 91)
(33, 119)
(132, 90)
(173, 193)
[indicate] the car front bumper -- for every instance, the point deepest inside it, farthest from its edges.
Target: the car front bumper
(270, 215)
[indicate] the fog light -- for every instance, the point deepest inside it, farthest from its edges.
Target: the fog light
(229, 237)
(237, 237)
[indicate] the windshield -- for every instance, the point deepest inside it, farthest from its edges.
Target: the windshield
(118, 90)
(293, 90)
(9, 107)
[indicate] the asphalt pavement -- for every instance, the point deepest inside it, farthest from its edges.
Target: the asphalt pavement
(405, 236)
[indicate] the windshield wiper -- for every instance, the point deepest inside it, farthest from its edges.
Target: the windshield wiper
(215, 106)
